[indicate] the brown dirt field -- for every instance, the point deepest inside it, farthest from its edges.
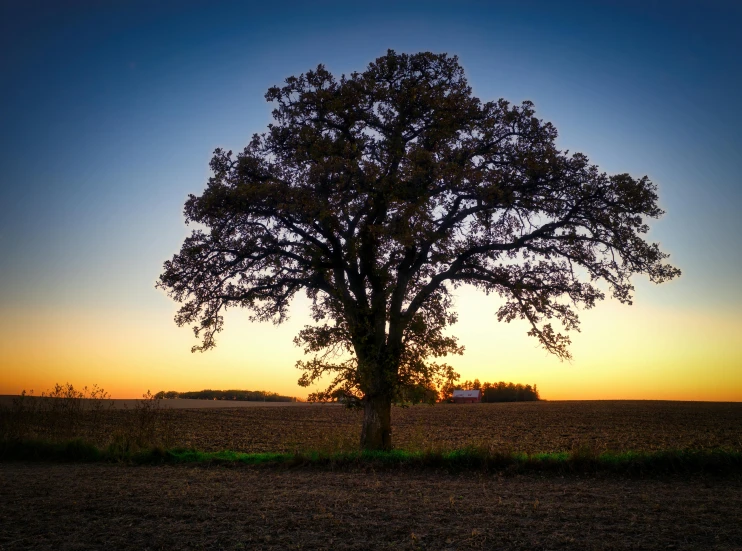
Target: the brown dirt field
(73, 506)
(524, 427)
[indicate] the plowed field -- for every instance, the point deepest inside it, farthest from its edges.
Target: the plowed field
(522, 427)
(85, 507)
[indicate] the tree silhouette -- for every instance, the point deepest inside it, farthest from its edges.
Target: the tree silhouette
(380, 192)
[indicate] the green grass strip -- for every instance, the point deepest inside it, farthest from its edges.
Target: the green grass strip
(716, 461)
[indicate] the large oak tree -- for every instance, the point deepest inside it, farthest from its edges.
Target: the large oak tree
(380, 192)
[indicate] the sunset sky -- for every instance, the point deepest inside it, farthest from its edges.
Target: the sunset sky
(110, 111)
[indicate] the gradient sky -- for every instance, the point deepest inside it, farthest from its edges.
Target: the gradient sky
(110, 112)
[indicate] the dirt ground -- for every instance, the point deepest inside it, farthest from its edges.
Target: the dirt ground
(103, 506)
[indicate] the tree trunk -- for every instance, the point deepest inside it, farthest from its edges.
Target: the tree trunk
(376, 433)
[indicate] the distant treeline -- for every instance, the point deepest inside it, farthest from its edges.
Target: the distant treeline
(239, 395)
(496, 392)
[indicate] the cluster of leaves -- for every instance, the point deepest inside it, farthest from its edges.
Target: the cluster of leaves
(494, 392)
(238, 395)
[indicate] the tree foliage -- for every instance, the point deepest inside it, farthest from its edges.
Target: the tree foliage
(237, 395)
(494, 392)
(378, 194)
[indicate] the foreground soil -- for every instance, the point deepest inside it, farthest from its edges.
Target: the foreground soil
(75, 506)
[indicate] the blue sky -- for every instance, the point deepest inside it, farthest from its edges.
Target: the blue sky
(110, 112)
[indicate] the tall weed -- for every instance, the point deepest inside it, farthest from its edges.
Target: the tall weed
(65, 413)
(149, 424)
(64, 410)
(17, 420)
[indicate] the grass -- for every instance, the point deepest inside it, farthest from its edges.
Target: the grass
(582, 460)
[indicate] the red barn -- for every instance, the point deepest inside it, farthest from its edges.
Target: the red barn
(467, 396)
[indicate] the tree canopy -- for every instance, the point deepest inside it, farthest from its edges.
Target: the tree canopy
(378, 194)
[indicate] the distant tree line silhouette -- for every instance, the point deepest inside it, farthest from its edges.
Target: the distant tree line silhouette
(494, 392)
(238, 395)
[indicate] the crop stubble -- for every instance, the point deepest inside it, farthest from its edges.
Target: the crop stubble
(100, 506)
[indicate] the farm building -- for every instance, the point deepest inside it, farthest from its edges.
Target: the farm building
(467, 396)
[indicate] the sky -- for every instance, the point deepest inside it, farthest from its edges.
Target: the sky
(110, 112)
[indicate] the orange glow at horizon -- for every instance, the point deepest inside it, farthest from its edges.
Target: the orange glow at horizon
(637, 352)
